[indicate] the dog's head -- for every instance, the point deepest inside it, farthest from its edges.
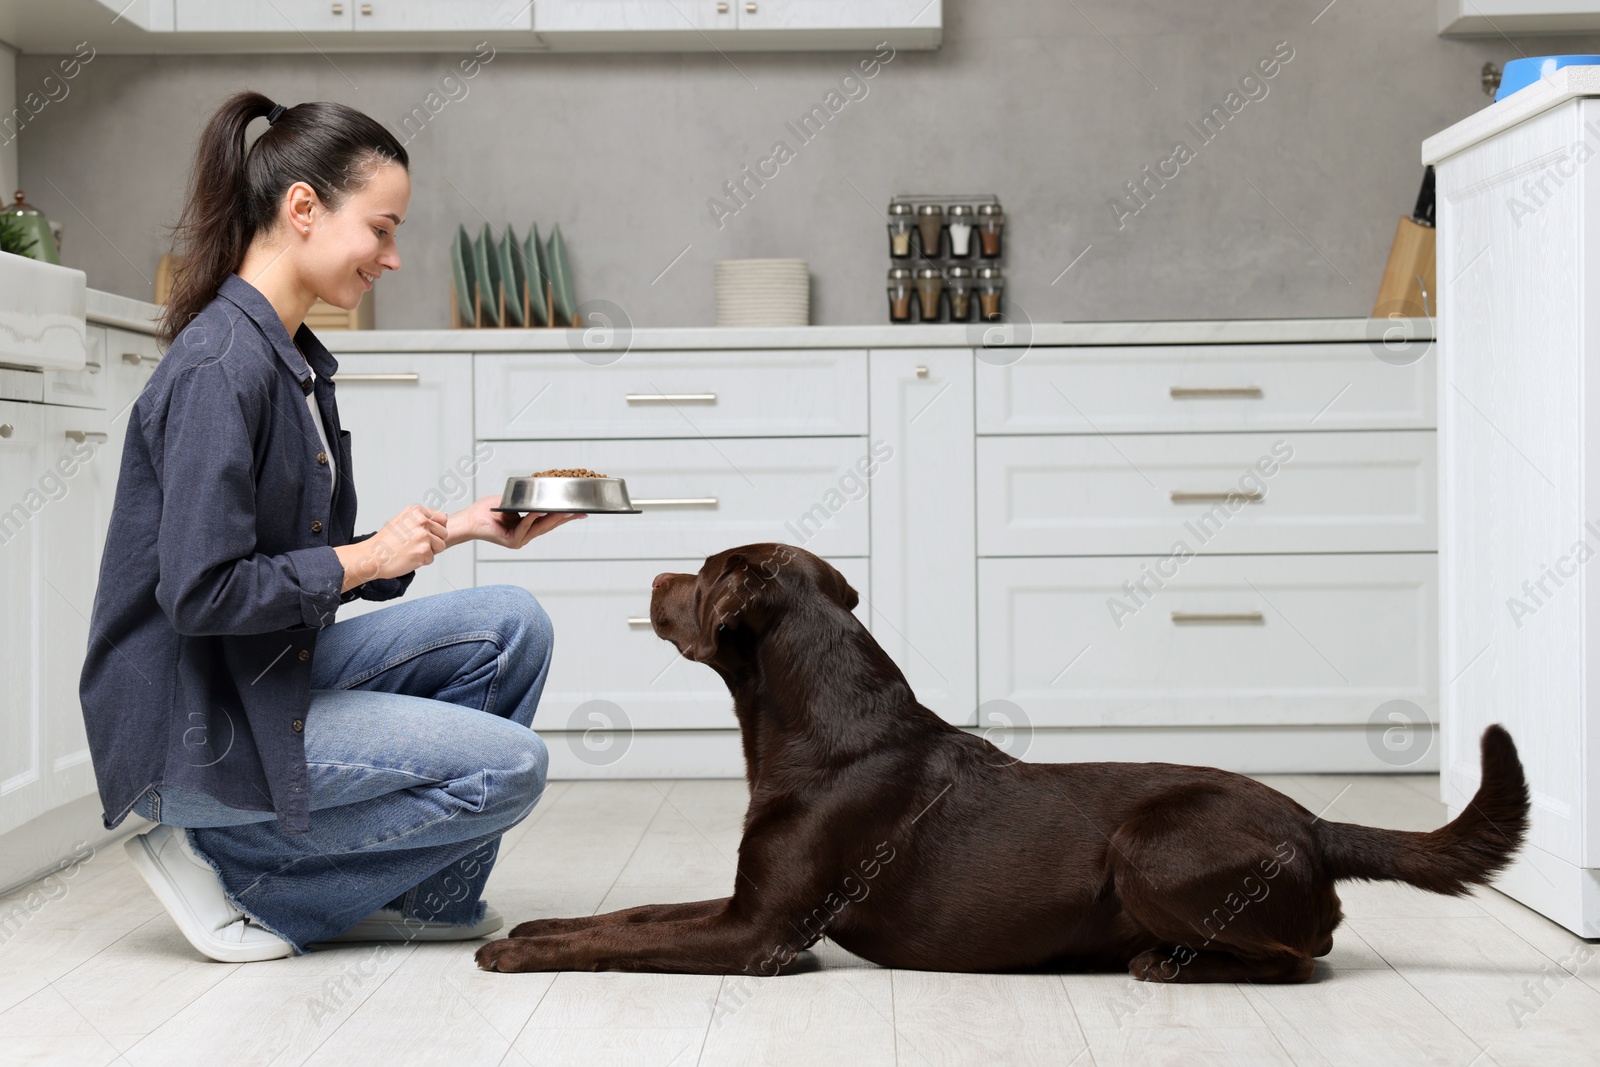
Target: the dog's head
(739, 595)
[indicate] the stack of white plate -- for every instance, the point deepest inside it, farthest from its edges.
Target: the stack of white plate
(763, 292)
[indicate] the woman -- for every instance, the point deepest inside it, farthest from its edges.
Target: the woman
(313, 780)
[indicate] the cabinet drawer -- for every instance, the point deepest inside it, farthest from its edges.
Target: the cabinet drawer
(1148, 389)
(1068, 495)
(700, 496)
(1213, 640)
(605, 649)
(84, 388)
(661, 394)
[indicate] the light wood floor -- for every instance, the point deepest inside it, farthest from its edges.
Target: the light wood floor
(100, 975)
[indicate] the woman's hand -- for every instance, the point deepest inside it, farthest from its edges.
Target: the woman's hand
(479, 522)
(409, 540)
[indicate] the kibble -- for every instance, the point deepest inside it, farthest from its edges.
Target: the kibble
(567, 472)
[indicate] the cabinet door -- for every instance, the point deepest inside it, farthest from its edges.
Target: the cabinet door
(86, 387)
(23, 784)
(212, 16)
(410, 423)
(432, 15)
(1210, 640)
(836, 14)
(616, 16)
(924, 567)
(71, 534)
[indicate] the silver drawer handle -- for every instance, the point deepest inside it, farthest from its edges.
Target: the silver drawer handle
(672, 398)
(677, 502)
(1180, 497)
(634, 620)
(81, 436)
(1186, 618)
(722, 8)
(1241, 392)
(6, 430)
(93, 367)
(377, 377)
(134, 358)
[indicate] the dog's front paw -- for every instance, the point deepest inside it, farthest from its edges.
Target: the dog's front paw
(1153, 966)
(508, 954)
(545, 927)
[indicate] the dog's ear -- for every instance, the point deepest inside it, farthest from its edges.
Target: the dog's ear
(723, 602)
(834, 584)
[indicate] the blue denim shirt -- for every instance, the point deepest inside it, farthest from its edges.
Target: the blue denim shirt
(219, 569)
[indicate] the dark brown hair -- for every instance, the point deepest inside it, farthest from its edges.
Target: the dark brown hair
(234, 190)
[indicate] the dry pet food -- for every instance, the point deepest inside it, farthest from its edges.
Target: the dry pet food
(567, 472)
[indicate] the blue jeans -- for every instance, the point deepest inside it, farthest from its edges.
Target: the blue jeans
(412, 784)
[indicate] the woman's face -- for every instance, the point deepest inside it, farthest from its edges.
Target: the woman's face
(349, 249)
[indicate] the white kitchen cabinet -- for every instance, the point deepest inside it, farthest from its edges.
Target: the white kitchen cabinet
(737, 25)
(419, 15)
(1496, 18)
(255, 16)
(924, 557)
(410, 423)
(1096, 495)
(800, 393)
(85, 386)
(25, 786)
(1519, 509)
(72, 528)
(608, 661)
(1096, 389)
(698, 496)
(1208, 641)
(310, 16)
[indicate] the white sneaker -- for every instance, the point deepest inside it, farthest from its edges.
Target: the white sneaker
(390, 924)
(193, 895)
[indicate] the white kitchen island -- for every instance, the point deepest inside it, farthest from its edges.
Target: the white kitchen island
(1519, 425)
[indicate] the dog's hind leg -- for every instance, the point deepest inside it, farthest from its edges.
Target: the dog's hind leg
(644, 913)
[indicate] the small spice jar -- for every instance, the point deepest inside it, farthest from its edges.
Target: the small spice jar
(960, 289)
(901, 221)
(991, 221)
(930, 287)
(959, 221)
(991, 285)
(930, 224)
(900, 294)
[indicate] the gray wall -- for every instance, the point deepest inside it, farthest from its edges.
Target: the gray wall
(1052, 105)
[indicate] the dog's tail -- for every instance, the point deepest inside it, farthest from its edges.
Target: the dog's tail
(1469, 850)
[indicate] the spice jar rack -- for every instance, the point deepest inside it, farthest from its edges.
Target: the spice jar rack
(947, 258)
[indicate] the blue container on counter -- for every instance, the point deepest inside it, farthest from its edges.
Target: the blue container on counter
(1521, 73)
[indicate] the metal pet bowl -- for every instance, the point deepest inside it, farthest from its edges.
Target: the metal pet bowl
(567, 495)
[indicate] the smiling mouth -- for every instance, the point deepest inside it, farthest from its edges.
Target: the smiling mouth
(370, 279)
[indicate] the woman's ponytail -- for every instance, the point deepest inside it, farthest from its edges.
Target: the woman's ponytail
(235, 189)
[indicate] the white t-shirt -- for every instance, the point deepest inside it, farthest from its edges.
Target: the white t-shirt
(316, 417)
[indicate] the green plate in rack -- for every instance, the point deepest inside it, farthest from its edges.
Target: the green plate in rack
(533, 259)
(512, 274)
(561, 275)
(467, 279)
(487, 257)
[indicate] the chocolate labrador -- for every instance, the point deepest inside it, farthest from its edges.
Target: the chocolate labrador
(916, 844)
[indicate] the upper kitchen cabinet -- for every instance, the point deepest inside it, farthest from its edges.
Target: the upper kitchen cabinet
(736, 25)
(255, 16)
(222, 26)
(1495, 18)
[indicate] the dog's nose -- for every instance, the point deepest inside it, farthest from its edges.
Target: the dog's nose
(660, 580)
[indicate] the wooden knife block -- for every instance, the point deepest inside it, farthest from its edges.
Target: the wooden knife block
(1408, 280)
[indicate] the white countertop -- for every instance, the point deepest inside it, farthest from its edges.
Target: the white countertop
(1565, 84)
(1218, 331)
(127, 313)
